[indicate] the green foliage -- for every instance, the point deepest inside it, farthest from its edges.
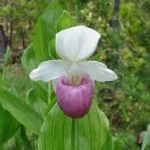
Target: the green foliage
(21, 111)
(7, 121)
(65, 21)
(61, 132)
(35, 98)
(45, 31)
(117, 144)
(28, 59)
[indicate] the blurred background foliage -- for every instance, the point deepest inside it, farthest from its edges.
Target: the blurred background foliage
(124, 47)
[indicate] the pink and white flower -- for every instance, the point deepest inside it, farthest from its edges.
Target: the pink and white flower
(72, 74)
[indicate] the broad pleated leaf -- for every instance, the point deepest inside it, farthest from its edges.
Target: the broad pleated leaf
(62, 133)
(22, 112)
(45, 31)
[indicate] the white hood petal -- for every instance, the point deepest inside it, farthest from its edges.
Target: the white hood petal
(49, 70)
(76, 43)
(97, 70)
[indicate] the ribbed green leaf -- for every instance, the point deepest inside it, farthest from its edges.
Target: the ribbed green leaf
(6, 120)
(62, 133)
(20, 111)
(45, 31)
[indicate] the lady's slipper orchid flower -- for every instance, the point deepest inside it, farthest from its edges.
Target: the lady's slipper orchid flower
(75, 75)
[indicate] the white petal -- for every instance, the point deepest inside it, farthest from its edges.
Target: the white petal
(76, 43)
(97, 70)
(49, 70)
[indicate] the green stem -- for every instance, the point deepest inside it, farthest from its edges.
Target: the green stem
(73, 135)
(49, 92)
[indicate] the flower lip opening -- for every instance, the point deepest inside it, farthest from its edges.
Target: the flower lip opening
(74, 101)
(74, 81)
